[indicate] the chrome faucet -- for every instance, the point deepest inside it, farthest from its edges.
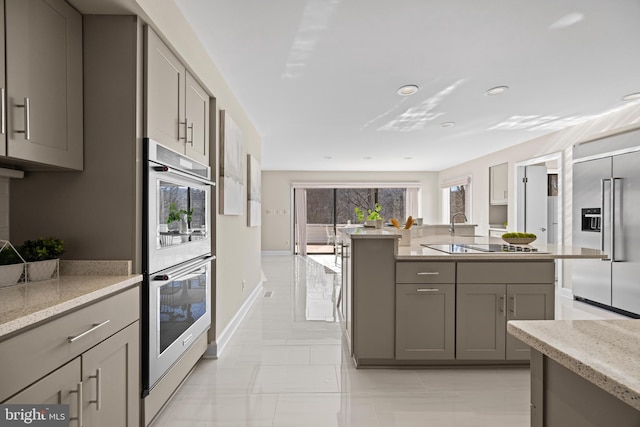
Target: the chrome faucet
(452, 230)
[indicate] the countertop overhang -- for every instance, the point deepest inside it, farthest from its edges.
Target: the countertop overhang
(604, 352)
(80, 283)
(414, 251)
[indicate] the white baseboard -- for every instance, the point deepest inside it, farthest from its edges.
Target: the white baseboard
(567, 293)
(216, 349)
(272, 253)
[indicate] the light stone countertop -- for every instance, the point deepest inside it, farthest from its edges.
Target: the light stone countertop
(604, 352)
(414, 251)
(80, 283)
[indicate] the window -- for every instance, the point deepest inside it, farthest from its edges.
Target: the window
(456, 197)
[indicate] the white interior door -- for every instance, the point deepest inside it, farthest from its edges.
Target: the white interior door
(535, 194)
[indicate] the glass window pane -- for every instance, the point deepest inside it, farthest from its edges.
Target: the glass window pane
(320, 206)
(392, 201)
(347, 199)
(458, 201)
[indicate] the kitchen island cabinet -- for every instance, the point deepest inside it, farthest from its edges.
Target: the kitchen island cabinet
(425, 310)
(43, 113)
(583, 372)
(489, 295)
(412, 306)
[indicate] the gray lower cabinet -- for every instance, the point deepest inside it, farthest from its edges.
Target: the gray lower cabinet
(489, 295)
(89, 359)
(425, 321)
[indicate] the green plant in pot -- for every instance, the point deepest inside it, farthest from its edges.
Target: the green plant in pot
(42, 255)
(11, 264)
(373, 217)
(182, 216)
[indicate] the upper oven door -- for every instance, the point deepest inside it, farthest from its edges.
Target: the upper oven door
(178, 217)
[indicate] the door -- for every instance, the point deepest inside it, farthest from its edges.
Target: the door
(44, 75)
(197, 118)
(527, 302)
(61, 387)
(480, 321)
(425, 322)
(625, 290)
(164, 94)
(110, 374)
(535, 190)
(591, 279)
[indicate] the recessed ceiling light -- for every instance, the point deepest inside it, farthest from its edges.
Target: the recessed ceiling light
(447, 124)
(496, 90)
(631, 97)
(328, 157)
(367, 158)
(407, 90)
(407, 158)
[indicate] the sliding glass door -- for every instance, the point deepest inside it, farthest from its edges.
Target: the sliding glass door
(328, 209)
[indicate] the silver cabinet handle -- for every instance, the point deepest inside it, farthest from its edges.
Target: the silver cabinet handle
(98, 400)
(95, 326)
(27, 118)
(3, 119)
(428, 290)
(190, 127)
(185, 123)
(428, 273)
(78, 390)
(503, 305)
(613, 219)
(515, 306)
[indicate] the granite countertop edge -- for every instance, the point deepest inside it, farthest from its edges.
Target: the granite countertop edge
(28, 304)
(595, 368)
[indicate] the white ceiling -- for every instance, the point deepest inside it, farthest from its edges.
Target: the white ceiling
(318, 78)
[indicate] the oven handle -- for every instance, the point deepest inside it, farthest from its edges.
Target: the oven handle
(171, 275)
(165, 168)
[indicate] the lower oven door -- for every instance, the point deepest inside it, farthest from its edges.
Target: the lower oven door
(179, 312)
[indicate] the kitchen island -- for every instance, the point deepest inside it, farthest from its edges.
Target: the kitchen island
(403, 303)
(583, 372)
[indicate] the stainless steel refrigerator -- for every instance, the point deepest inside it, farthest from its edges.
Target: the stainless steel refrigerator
(606, 216)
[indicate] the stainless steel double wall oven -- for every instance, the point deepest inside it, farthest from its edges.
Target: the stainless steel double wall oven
(177, 257)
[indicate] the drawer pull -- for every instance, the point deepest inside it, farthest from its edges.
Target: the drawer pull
(79, 404)
(95, 326)
(98, 400)
(428, 290)
(187, 339)
(428, 273)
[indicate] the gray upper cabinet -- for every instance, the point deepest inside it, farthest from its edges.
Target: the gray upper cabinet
(176, 106)
(42, 117)
(499, 184)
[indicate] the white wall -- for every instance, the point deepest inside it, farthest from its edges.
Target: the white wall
(559, 141)
(277, 196)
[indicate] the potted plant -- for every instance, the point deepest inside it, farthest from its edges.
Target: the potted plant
(374, 219)
(11, 264)
(42, 257)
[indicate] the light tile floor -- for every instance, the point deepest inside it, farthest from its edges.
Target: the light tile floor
(287, 366)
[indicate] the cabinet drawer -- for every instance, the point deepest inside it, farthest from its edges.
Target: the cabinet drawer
(31, 355)
(506, 272)
(425, 272)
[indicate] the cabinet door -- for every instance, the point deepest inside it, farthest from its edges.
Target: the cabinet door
(164, 94)
(527, 302)
(44, 76)
(62, 386)
(425, 321)
(110, 374)
(197, 117)
(3, 88)
(499, 184)
(480, 321)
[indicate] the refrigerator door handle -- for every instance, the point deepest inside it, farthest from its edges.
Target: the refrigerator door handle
(604, 217)
(613, 219)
